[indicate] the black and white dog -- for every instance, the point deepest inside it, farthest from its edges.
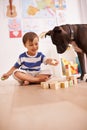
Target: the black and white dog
(75, 34)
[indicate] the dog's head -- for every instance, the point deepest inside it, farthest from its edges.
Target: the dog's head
(60, 38)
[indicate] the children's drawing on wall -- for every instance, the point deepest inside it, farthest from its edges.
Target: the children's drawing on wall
(38, 8)
(38, 25)
(12, 8)
(60, 4)
(14, 28)
(60, 11)
(61, 17)
(27, 26)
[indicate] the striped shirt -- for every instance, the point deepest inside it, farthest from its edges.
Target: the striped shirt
(30, 63)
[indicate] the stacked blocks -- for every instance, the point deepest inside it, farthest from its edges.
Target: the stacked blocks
(68, 82)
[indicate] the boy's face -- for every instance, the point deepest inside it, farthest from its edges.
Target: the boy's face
(32, 47)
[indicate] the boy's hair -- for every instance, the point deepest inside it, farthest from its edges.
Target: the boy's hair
(29, 36)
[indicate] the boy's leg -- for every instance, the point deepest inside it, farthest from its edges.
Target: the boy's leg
(24, 76)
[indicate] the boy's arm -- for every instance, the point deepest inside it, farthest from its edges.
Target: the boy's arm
(9, 73)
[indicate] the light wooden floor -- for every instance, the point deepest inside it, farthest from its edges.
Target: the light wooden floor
(33, 108)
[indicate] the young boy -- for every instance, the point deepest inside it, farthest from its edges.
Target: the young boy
(28, 66)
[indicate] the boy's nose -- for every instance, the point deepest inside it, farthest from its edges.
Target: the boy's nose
(34, 46)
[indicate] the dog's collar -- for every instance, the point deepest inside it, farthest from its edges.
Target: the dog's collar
(71, 33)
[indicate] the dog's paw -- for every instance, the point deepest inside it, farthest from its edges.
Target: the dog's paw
(85, 78)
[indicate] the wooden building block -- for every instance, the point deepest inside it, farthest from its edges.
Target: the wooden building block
(67, 70)
(44, 85)
(70, 83)
(75, 80)
(64, 84)
(54, 85)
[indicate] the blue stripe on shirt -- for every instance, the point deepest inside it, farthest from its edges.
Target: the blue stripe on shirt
(27, 65)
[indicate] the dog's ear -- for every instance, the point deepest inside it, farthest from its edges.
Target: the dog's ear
(57, 30)
(48, 33)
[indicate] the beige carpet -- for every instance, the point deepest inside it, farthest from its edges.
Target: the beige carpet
(33, 108)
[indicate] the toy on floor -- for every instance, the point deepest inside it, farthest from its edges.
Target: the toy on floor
(2, 78)
(56, 84)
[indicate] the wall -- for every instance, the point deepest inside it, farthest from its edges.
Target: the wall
(73, 11)
(11, 48)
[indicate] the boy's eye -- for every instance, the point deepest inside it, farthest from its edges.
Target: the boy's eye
(36, 43)
(31, 45)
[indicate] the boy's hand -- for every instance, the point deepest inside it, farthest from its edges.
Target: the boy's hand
(54, 62)
(5, 76)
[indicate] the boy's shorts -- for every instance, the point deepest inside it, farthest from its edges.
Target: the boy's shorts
(34, 73)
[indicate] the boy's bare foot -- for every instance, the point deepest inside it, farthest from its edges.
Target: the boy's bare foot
(25, 83)
(43, 78)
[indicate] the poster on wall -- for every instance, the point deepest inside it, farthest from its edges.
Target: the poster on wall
(61, 17)
(14, 26)
(38, 8)
(38, 25)
(61, 11)
(60, 4)
(43, 14)
(12, 8)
